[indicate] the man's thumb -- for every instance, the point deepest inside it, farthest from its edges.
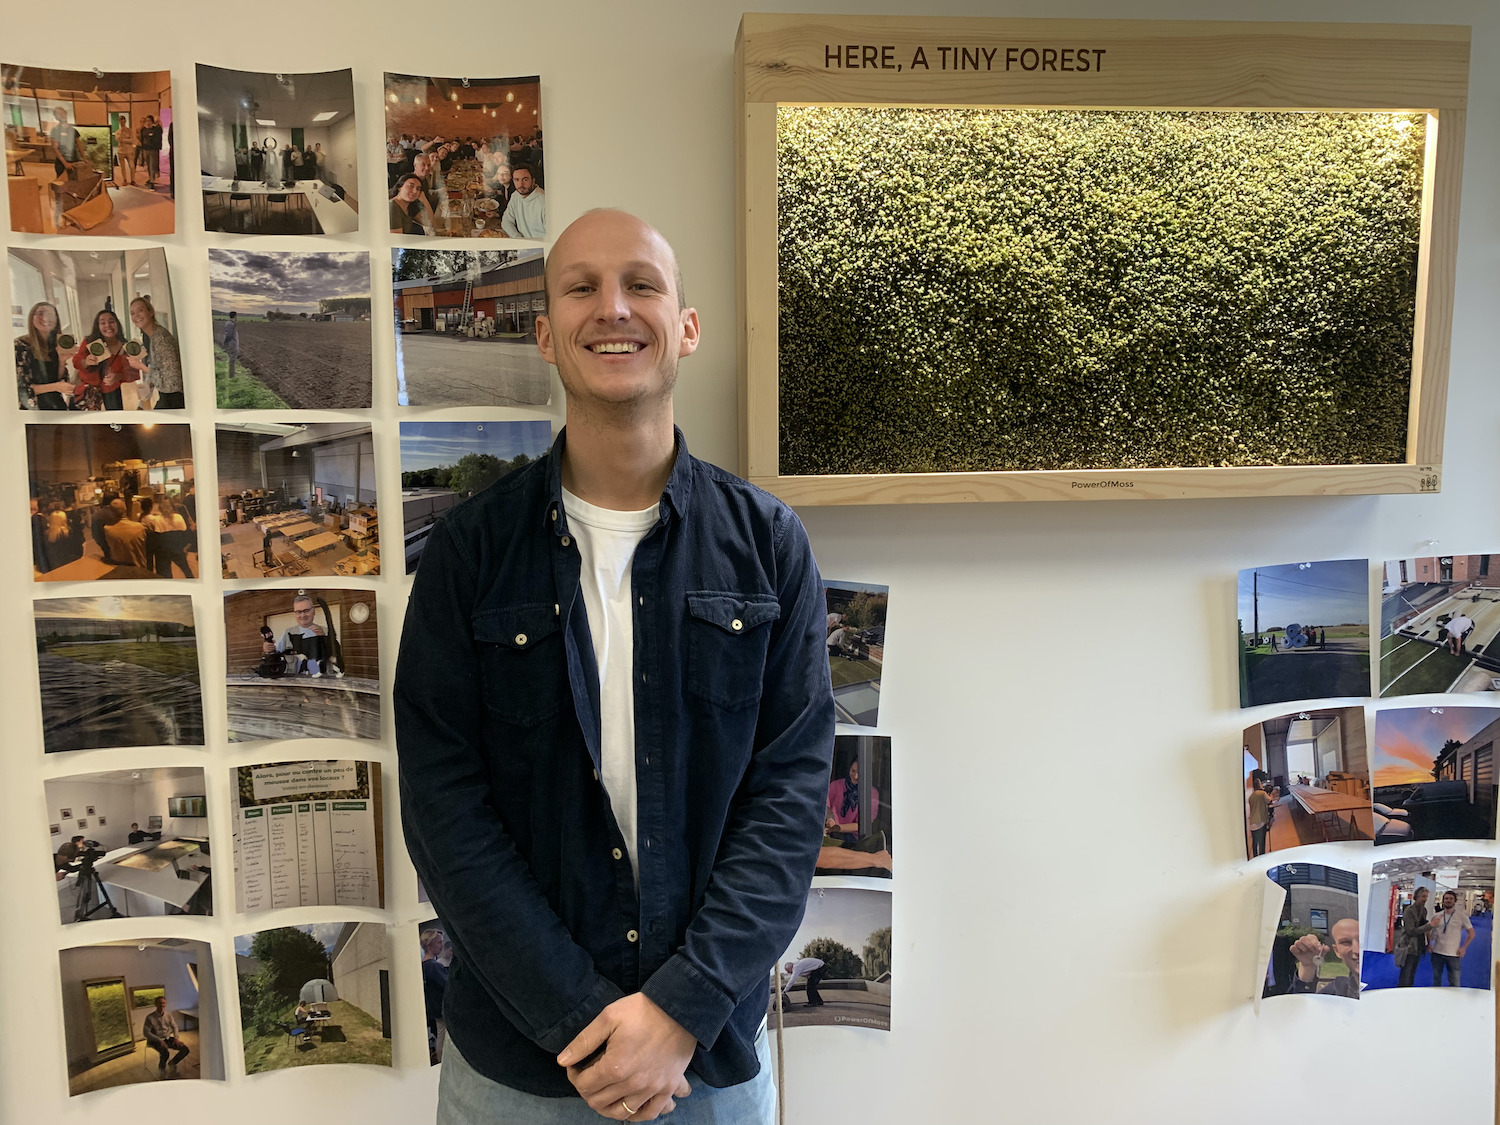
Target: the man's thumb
(587, 1041)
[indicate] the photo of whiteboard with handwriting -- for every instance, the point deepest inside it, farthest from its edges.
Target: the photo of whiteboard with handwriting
(309, 833)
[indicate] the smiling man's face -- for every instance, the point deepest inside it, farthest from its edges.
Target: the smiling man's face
(614, 326)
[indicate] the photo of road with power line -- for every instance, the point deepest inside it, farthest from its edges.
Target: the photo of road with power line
(1304, 631)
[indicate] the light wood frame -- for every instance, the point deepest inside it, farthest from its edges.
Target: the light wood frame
(782, 60)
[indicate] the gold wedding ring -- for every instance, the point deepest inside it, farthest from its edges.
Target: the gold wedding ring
(628, 1111)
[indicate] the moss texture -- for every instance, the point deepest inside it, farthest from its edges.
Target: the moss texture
(1062, 289)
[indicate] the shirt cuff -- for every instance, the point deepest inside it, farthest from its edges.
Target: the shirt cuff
(691, 999)
(557, 1037)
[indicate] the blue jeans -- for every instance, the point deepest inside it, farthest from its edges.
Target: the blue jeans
(1441, 961)
(466, 1097)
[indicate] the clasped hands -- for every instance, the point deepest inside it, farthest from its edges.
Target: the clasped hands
(629, 1063)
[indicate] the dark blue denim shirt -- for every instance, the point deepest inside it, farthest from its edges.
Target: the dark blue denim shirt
(509, 826)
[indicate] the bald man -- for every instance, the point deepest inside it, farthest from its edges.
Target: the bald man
(1310, 953)
(614, 796)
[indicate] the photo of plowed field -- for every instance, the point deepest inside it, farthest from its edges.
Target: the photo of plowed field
(306, 364)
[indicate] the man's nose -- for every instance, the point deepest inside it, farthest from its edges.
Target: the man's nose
(612, 303)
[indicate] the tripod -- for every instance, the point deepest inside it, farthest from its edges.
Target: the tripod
(93, 896)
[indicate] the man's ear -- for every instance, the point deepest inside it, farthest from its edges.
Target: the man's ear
(689, 334)
(544, 338)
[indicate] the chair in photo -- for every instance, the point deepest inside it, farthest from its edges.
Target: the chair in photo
(236, 198)
(83, 202)
(300, 1036)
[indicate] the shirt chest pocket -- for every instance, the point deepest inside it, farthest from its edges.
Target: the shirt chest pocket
(727, 639)
(523, 665)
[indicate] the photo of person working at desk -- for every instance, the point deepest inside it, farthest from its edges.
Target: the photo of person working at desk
(278, 152)
(144, 853)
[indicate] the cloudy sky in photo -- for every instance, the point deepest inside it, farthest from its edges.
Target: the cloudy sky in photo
(326, 934)
(251, 282)
(133, 607)
(431, 445)
(846, 914)
(1408, 739)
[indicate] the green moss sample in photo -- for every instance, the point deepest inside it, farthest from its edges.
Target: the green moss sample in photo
(972, 289)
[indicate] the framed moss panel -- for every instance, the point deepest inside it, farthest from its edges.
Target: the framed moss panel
(991, 259)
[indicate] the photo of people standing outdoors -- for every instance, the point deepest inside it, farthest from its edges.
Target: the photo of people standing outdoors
(278, 151)
(1434, 773)
(112, 501)
(1315, 949)
(1430, 922)
(464, 157)
(96, 330)
(89, 153)
(1304, 631)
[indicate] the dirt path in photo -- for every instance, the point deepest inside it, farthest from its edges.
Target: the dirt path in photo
(311, 364)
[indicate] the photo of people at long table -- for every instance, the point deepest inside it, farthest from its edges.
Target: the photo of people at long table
(130, 843)
(278, 152)
(464, 157)
(95, 330)
(89, 152)
(112, 501)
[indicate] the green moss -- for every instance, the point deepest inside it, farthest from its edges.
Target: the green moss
(985, 289)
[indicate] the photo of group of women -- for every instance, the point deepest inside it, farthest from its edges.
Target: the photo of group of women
(111, 502)
(89, 152)
(278, 151)
(95, 330)
(464, 157)
(118, 671)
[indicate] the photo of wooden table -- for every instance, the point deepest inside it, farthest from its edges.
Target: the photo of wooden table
(1324, 806)
(328, 216)
(312, 544)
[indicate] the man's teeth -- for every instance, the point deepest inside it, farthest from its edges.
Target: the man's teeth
(603, 349)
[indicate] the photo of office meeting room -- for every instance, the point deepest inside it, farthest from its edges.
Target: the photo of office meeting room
(291, 330)
(302, 663)
(315, 994)
(95, 330)
(278, 152)
(1430, 922)
(1304, 631)
(1306, 779)
(297, 499)
(139, 849)
(466, 328)
(443, 463)
(837, 969)
(1439, 617)
(118, 671)
(1315, 949)
(1434, 775)
(472, 148)
(112, 501)
(856, 649)
(143, 1010)
(857, 819)
(89, 152)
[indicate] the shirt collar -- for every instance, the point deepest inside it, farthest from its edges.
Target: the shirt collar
(674, 496)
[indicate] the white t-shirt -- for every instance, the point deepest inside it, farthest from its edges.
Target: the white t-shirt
(799, 970)
(1445, 939)
(1457, 624)
(606, 547)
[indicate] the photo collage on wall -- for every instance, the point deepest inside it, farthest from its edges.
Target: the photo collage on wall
(291, 337)
(1315, 770)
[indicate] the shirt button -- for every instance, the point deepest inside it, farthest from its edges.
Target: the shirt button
(596, 775)
(554, 515)
(648, 843)
(631, 936)
(643, 601)
(520, 638)
(617, 853)
(736, 624)
(566, 540)
(556, 609)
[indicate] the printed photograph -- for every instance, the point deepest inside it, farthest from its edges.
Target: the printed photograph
(1430, 922)
(437, 955)
(1304, 631)
(291, 331)
(278, 152)
(309, 833)
(111, 500)
(302, 664)
(149, 853)
(313, 995)
(1434, 773)
(143, 1010)
(1306, 780)
(857, 821)
(118, 671)
(856, 649)
(297, 499)
(443, 463)
(96, 330)
(466, 328)
(89, 153)
(837, 969)
(1438, 618)
(463, 156)
(1316, 950)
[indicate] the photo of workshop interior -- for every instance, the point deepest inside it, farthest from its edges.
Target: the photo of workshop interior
(1308, 774)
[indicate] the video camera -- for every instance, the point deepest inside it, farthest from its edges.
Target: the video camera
(272, 665)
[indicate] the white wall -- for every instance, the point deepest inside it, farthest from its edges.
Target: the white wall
(1074, 918)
